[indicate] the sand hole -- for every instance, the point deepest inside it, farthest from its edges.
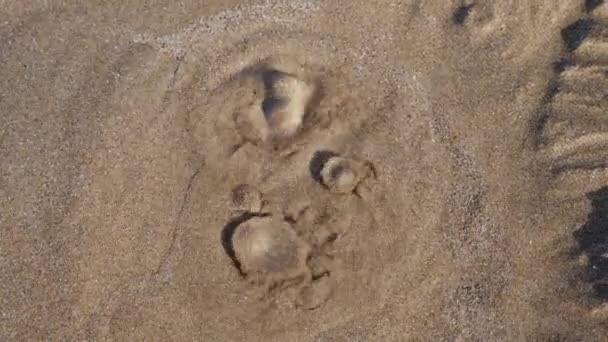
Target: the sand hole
(461, 14)
(227, 234)
(269, 246)
(318, 161)
(280, 108)
(338, 174)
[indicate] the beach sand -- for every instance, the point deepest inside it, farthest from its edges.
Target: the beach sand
(425, 170)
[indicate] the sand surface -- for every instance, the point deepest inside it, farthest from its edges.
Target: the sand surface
(142, 143)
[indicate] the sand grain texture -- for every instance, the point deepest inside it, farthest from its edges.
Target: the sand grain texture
(470, 201)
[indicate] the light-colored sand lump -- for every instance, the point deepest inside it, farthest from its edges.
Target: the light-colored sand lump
(267, 245)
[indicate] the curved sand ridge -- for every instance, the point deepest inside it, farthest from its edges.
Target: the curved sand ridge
(206, 83)
(573, 144)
